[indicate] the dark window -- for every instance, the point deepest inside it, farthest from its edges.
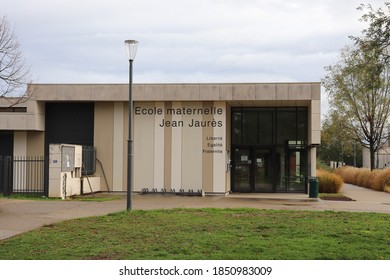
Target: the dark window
(286, 125)
(6, 143)
(302, 124)
(265, 127)
(236, 127)
(269, 149)
(68, 123)
(249, 127)
(13, 109)
(269, 126)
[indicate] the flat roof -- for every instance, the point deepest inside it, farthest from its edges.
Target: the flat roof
(178, 92)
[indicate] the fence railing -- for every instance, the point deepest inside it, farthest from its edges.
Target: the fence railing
(22, 175)
(89, 160)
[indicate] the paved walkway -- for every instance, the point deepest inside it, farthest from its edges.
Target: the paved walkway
(18, 216)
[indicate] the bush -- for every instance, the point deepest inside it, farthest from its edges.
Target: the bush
(381, 180)
(348, 174)
(355, 176)
(364, 177)
(378, 179)
(329, 182)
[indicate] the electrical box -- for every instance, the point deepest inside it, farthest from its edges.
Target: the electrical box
(67, 158)
(64, 170)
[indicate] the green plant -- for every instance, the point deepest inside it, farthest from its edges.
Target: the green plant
(321, 165)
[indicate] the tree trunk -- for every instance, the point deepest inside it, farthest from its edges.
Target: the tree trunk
(372, 157)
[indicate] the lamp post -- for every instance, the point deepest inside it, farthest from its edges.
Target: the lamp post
(131, 48)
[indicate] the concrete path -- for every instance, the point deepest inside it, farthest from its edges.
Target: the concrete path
(18, 216)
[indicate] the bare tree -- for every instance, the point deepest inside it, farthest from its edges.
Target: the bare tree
(14, 73)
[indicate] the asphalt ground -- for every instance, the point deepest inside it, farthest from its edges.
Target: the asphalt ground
(18, 216)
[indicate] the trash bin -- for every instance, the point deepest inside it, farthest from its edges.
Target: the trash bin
(313, 187)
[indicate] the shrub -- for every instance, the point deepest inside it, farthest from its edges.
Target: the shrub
(347, 173)
(378, 179)
(329, 182)
(364, 177)
(381, 180)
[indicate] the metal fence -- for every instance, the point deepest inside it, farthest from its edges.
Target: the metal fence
(22, 175)
(89, 160)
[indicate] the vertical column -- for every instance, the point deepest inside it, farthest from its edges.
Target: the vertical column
(314, 132)
(315, 122)
(176, 180)
(167, 149)
(219, 159)
(192, 149)
(118, 148)
(159, 144)
(207, 158)
(313, 161)
(143, 147)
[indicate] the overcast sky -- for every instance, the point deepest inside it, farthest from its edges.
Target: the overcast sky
(183, 41)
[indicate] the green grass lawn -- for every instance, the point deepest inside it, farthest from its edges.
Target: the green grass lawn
(204, 234)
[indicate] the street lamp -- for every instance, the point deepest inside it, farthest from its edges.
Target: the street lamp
(131, 48)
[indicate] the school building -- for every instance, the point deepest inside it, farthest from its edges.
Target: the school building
(201, 138)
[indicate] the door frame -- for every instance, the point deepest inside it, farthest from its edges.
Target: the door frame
(252, 176)
(303, 165)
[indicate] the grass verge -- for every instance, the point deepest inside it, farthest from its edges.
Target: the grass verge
(204, 234)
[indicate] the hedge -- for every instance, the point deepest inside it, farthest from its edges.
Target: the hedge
(329, 182)
(378, 179)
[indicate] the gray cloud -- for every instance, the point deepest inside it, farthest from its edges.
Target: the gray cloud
(183, 41)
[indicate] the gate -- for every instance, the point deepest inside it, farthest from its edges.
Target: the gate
(22, 175)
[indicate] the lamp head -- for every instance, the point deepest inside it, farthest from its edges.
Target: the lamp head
(131, 48)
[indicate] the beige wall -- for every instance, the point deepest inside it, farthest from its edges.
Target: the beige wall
(159, 150)
(35, 143)
(171, 151)
(104, 142)
(191, 147)
(20, 143)
(179, 92)
(144, 150)
(207, 158)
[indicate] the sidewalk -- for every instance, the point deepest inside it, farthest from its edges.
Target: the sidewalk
(18, 216)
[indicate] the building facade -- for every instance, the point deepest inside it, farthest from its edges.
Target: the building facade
(209, 138)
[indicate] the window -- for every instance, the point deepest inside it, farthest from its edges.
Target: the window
(249, 128)
(265, 127)
(269, 126)
(13, 109)
(286, 125)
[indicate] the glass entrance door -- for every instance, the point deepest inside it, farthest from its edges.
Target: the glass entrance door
(242, 166)
(263, 171)
(295, 170)
(253, 170)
